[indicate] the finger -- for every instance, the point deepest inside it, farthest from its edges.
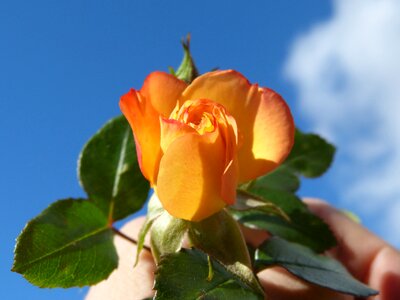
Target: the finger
(254, 237)
(357, 247)
(367, 257)
(127, 282)
(279, 284)
(384, 273)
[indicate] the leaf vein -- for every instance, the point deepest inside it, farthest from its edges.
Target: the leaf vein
(118, 171)
(211, 288)
(97, 231)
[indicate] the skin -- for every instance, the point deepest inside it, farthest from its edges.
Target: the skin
(366, 256)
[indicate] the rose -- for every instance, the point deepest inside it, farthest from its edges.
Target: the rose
(195, 143)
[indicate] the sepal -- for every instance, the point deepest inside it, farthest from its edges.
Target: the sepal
(167, 232)
(187, 70)
(220, 237)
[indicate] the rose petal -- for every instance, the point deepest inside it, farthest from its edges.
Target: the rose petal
(172, 129)
(162, 90)
(273, 133)
(264, 121)
(229, 182)
(189, 180)
(145, 123)
(158, 96)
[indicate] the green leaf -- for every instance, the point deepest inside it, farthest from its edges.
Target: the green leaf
(299, 226)
(68, 244)
(303, 228)
(167, 234)
(185, 275)
(246, 201)
(311, 155)
(286, 201)
(109, 171)
(187, 70)
(307, 265)
(282, 179)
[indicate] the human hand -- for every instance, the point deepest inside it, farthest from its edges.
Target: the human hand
(367, 257)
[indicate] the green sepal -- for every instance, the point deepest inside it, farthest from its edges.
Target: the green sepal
(185, 275)
(221, 238)
(68, 244)
(109, 172)
(187, 70)
(154, 210)
(166, 233)
(309, 266)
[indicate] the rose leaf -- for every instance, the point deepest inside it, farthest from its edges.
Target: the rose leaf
(295, 223)
(311, 155)
(191, 274)
(109, 171)
(309, 266)
(68, 244)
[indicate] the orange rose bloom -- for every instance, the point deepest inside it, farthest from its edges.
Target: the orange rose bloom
(196, 142)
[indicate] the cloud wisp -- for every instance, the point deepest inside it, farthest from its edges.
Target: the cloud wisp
(347, 74)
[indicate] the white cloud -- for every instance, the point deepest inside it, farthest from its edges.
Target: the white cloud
(347, 72)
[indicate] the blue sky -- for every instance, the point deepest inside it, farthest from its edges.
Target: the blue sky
(64, 65)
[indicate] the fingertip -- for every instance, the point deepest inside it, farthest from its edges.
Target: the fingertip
(384, 273)
(357, 246)
(320, 207)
